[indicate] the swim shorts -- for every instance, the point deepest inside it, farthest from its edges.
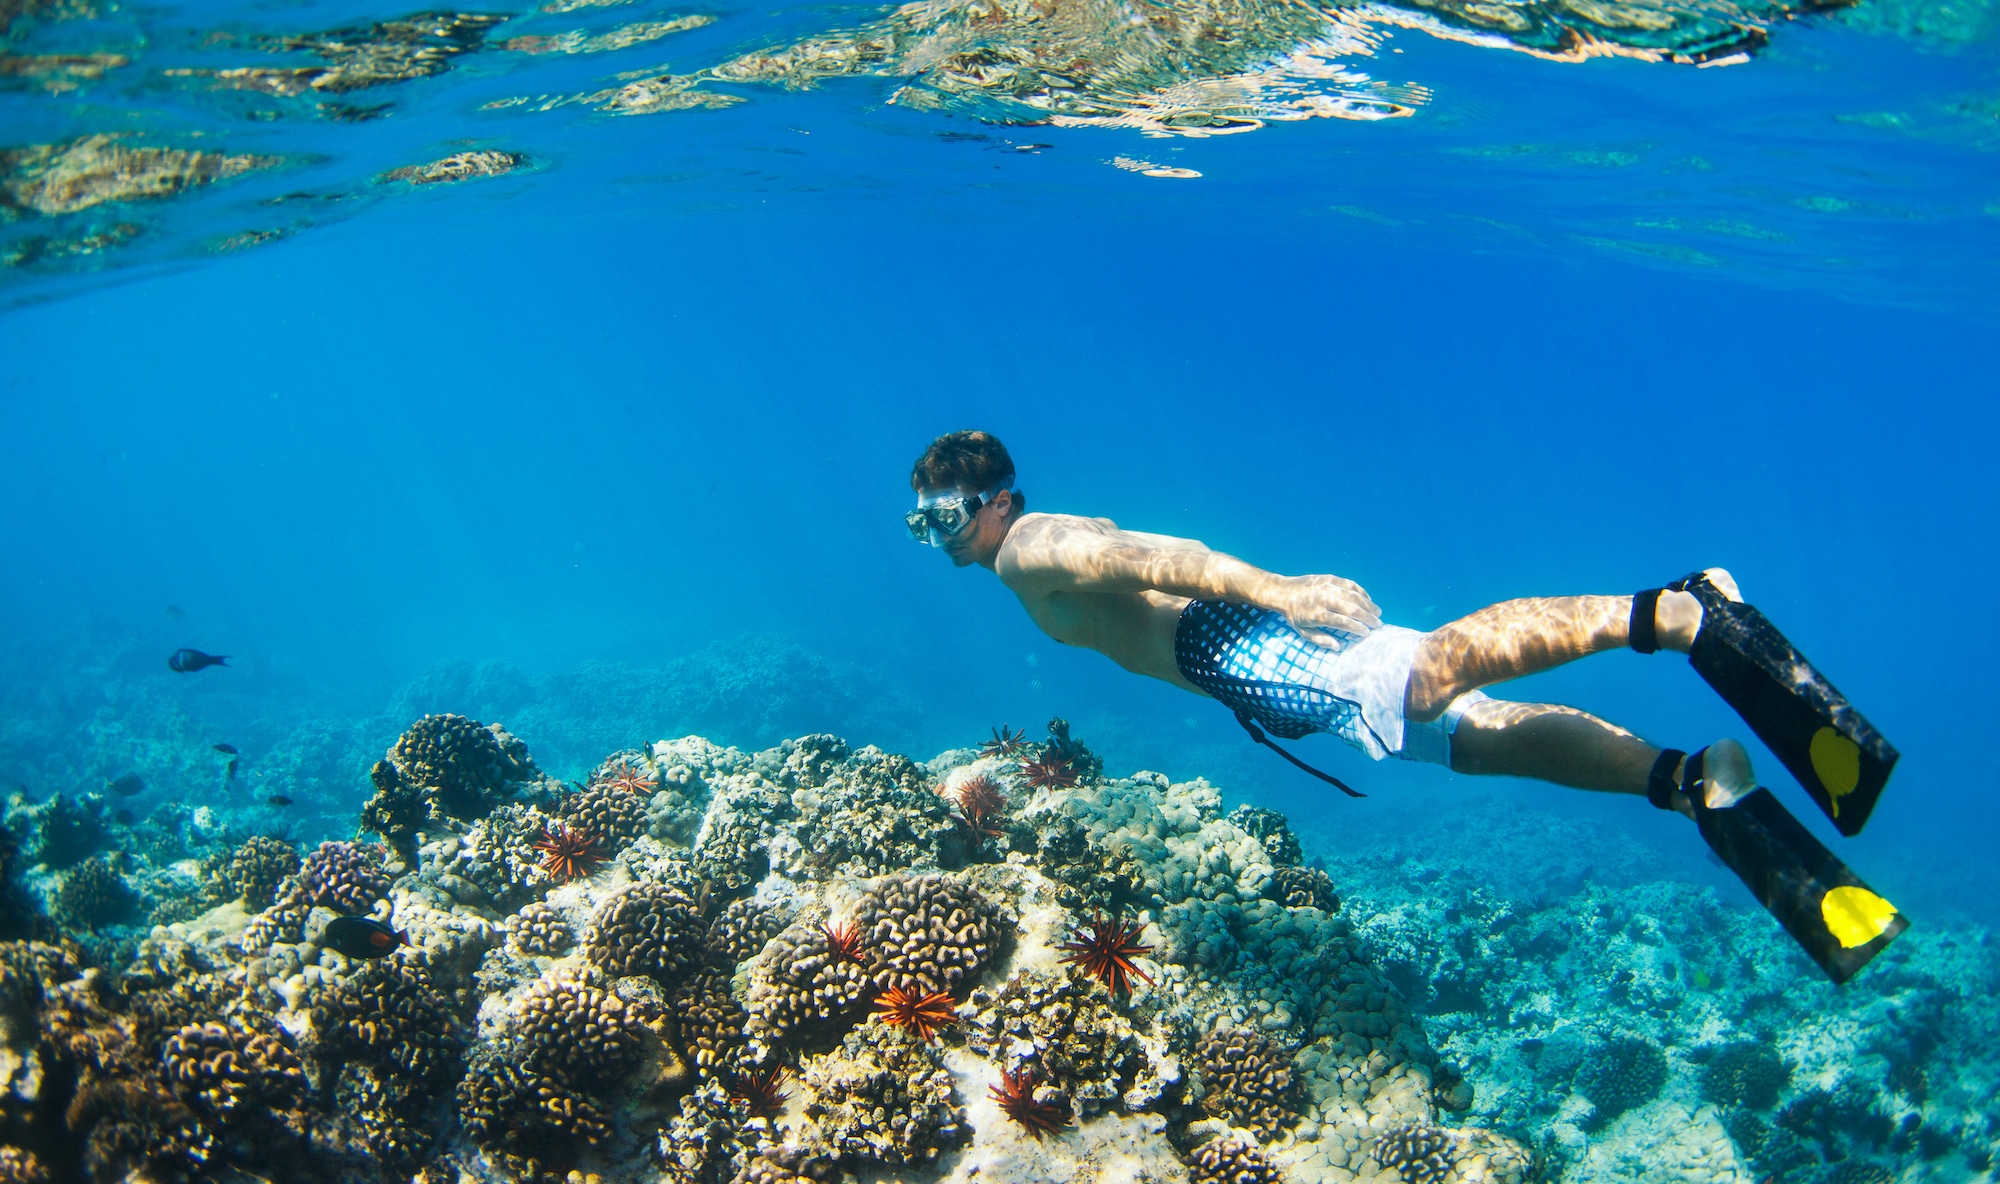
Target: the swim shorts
(1253, 661)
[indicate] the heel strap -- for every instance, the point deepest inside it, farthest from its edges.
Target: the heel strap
(1661, 782)
(1641, 633)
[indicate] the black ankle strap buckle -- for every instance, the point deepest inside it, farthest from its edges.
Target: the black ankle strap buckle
(1641, 634)
(1662, 782)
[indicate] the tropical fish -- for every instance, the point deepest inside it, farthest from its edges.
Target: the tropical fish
(280, 800)
(126, 784)
(228, 748)
(229, 774)
(189, 661)
(174, 612)
(361, 937)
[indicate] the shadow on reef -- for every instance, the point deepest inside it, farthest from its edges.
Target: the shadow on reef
(699, 964)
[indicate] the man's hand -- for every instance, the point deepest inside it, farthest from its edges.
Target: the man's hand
(1317, 604)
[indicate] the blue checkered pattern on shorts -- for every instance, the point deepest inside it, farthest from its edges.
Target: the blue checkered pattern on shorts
(1252, 660)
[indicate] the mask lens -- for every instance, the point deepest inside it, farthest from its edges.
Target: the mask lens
(919, 522)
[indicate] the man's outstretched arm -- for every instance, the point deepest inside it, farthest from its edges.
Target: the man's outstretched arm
(1058, 552)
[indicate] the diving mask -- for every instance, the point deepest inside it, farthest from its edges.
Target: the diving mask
(946, 515)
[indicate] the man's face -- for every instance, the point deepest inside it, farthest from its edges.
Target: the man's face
(980, 541)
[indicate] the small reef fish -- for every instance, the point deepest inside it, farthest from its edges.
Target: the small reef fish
(189, 661)
(360, 937)
(280, 800)
(229, 774)
(126, 784)
(228, 748)
(174, 612)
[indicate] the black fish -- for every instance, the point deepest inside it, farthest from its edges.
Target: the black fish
(360, 937)
(280, 800)
(122, 818)
(189, 661)
(228, 748)
(229, 774)
(126, 784)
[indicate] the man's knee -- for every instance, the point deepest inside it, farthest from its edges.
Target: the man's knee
(1434, 679)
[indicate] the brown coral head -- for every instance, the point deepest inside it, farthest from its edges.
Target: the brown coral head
(1105, 950)
(630, 778)
(761, 1092)
(922, 1012)
(1005, 742)
(843, 941)
(979, 800)
(1049, 772)
(567, 853)
(1016, 1095)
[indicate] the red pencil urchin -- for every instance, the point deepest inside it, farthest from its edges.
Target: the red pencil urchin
(1005, 743)
(1105, 950)
(567, 854)
(1016, 1095)
(761, 1092)
(979, 801)
(629, 778)
(843, 941)
(923, 1013)
(1049, 772)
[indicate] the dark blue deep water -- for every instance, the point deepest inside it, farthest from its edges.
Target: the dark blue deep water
(613, 446)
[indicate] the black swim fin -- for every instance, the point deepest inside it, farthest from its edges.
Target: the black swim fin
(1839, 757)
(1824, 906)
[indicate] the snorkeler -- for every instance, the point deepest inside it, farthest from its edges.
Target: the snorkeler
(1304, 654)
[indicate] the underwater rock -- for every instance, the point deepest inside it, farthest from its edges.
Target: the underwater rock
(359, 58)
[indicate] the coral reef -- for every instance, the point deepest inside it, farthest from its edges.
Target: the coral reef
(1082, 1044)
(885, 1096)
(1747, 1073)
(538, 929)
(259, 866)
(926, 933)
(93, 894)
(1248, 1079)
(1232, 1161)
(444, 769)
(1620, 1075)
(647, 929)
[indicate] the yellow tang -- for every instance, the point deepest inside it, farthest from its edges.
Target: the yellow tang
(1837, 760)
(1855, 916)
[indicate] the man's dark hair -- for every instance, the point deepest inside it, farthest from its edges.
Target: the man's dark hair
(962, 460)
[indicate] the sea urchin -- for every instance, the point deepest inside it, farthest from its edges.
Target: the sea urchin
(1005, 743)
(629, 778)
(843, 941)
(979, 800)
(567, 853)
(761, 1092)
(1016, 1095)
(923, 1013)
(1049, 772)
(1105, 950)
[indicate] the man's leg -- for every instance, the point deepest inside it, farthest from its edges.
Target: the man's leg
(1550, 743)
(1521, 637)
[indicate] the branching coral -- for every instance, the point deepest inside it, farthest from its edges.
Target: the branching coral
(929, 933)
(710, 1022)
(94, 894)
(259, 866)
(1269, 827)
(460, 765)
(388, 1013)
(1417, 1152)
(802, 989)
(884, 1096)
(741, 930)
(1249, 1080)
(1232, 1161)
(1080, 1042)
(538, 930)
(1622, 1074)
(612, 816)
(1302, 888)
(1748, 1073)
(223, 1069)
(648, 929)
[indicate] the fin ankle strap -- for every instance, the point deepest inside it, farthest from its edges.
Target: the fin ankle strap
(1642, 634)
(1661, 782)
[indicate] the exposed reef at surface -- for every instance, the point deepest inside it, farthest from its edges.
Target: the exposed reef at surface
(700, 964)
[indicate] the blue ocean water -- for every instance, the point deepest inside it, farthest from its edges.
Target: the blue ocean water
(614, 445)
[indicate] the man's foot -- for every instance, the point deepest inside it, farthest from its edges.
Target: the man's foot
(1677, 616)
(1727, 777)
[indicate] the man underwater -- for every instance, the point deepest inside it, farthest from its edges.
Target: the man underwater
(1303, 654)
